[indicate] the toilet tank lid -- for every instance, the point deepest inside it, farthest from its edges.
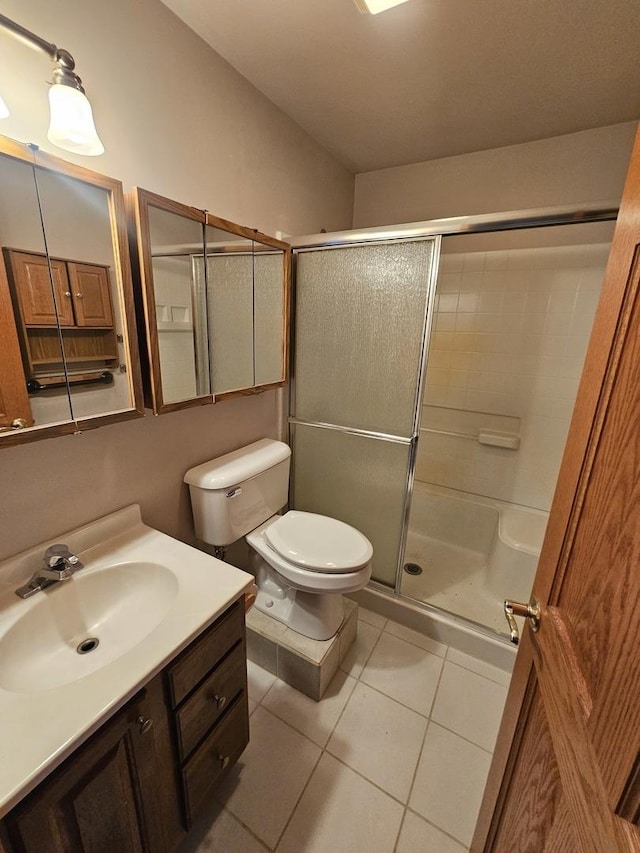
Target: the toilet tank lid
(239, 465)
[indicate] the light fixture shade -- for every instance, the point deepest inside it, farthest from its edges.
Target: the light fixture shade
(72, 126)
(4, 110)
(376, 6)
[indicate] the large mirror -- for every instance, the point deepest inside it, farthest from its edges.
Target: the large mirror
(215, 303)
(69, 352)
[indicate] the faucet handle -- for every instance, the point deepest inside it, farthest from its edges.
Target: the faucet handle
(59, 553)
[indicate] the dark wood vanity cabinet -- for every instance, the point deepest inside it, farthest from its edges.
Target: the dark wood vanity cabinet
(208, 693)
(138, 783)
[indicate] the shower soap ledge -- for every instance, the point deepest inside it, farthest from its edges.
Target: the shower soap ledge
(507, 440)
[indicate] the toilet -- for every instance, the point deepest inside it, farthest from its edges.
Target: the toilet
(303, 562)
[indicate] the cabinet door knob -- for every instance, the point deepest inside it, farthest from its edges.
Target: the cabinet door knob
(67, 293)
(223, 760)
(220, 701)
(79, 295)
(145, 724)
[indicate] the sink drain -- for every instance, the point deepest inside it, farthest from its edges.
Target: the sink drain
(413, 569)
(87, 645)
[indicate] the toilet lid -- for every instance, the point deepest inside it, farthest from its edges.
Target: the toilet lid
(318, 543)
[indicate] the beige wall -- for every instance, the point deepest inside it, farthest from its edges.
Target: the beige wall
(589, 166)
(174, 118)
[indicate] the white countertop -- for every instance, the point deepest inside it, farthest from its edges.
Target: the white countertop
(39, 729)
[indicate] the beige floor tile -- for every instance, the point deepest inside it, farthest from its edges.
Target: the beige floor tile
(469, 705)
(340, 812)
(404, 672)
(358, 654)
(418, 836)
(379, 738)
(263, 788)
(415, 637)
(450, 782)
(258, 681)
(479, 667)
(371, 618)
(314, 719)
(228, 834)
(252, 706)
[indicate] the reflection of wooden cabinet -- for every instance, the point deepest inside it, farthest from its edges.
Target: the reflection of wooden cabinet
(139, 781)
(75, 295)
(14, 401)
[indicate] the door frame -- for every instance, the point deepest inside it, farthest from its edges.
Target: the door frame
(594, 391)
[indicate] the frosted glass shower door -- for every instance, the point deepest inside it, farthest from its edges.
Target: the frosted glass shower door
(360, 330)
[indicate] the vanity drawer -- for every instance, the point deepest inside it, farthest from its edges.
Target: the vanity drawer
(220, 750)
(207, 704)
(203, 655)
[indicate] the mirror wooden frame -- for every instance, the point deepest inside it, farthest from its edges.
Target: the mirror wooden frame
(138, 203)
(32, 156)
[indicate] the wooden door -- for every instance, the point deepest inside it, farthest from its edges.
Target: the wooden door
(31, 279)
(91, 294)
(566, 772)
(14, 400)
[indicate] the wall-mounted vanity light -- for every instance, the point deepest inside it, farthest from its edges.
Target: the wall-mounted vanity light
(71, 126)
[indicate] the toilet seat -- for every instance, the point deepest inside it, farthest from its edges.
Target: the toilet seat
(318, 543)
(306, 579)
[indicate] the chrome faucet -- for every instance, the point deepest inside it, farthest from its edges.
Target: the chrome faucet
(58, 565)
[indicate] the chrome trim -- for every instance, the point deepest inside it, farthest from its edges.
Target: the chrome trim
(381, 436)
(504, 221)
(427, 327)
(406, 513)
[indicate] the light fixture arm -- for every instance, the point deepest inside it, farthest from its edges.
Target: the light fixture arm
(65, 63)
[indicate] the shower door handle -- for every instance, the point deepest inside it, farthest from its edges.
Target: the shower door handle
(530, 611)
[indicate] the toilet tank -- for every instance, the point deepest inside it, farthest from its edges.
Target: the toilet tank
(235, 493)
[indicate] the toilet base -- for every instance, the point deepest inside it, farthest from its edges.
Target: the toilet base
(314, 615)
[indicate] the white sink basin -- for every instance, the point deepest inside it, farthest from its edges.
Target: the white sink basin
(53, 642)
(143, 595)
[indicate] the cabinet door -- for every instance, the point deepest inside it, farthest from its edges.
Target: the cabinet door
(91, 294)
(14, 400)
(106, 797)
(33, 285)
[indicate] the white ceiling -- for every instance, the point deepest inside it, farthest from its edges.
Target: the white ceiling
(431, 78)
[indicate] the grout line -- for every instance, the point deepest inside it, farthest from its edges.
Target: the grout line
(400, 828)
(424, 739)
(248, 829)
(462, 737)
(435, 826)
(297, 802)
(481, 674)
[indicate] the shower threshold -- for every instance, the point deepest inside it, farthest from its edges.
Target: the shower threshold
(447, 628)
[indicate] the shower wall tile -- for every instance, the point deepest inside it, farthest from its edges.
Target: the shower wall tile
(510, 333)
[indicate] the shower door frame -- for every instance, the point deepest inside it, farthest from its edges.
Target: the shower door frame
(430, 229)
(410, 441)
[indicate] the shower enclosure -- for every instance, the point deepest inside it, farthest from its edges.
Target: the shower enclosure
(434, 371)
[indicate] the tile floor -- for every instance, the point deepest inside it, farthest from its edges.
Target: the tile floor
(393, 759)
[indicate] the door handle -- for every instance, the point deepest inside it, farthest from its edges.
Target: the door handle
(530, 611)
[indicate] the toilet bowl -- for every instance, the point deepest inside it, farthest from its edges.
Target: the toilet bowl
(303, 562)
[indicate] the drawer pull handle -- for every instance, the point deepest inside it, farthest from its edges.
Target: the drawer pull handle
(220, 701)
(145, 724)
(223, 760)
